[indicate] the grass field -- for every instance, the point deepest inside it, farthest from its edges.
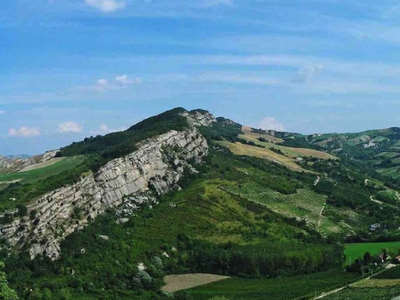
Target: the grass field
(264, 153)
(40, 173)
(378, 283)
(357, 250)
(288, 151)
(386, 293)
(278, 288)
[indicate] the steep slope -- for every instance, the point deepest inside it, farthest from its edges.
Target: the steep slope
(154, 166)
(154, 169)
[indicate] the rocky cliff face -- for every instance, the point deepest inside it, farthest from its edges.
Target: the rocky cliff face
(129, 181)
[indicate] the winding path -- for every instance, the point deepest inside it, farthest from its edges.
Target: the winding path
(320, 216)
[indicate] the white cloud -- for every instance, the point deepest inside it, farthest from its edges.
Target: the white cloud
(270, 123)
(69, 127)
(24, 131)
(119, 82)
(106, 5)
(124, 80)
(102, 85)
(2, 112)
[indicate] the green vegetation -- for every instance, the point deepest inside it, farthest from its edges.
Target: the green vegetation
(203, 222)
(292, 287)
(39, 181)
(223, 129)
(122, 143)
(373, 150)
(393, 273)
(386, 293)
(270, 225)
(6, 293)
(45, 172)
(353, 251)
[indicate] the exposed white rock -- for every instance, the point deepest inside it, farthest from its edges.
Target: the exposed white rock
(141, 266)
(199, 118)
(134, 179)
(122, 220)
(104, 237)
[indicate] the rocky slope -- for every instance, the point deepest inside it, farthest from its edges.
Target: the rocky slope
(126, 182)
(12, 164)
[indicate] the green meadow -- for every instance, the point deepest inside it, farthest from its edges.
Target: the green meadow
(357, 250)
(46, 171)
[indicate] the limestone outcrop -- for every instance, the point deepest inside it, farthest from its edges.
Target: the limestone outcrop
(129, 181)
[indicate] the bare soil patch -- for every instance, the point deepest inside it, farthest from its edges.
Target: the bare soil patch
(174, 283)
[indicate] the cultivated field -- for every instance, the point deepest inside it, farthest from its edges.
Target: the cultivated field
(242, 149)
(294, 287)
(377, 283)
(288, 151)
(174, 283)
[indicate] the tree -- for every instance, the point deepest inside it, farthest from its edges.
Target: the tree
(367, 258)
(6, 293)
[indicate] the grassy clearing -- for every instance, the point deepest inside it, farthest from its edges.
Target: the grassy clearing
(42, 164)
(248, 132)
(277, 288)
(357, 250)
(242, 149)
(43, 172)
(174, 283)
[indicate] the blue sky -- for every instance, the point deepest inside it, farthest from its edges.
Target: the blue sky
(75, 68)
